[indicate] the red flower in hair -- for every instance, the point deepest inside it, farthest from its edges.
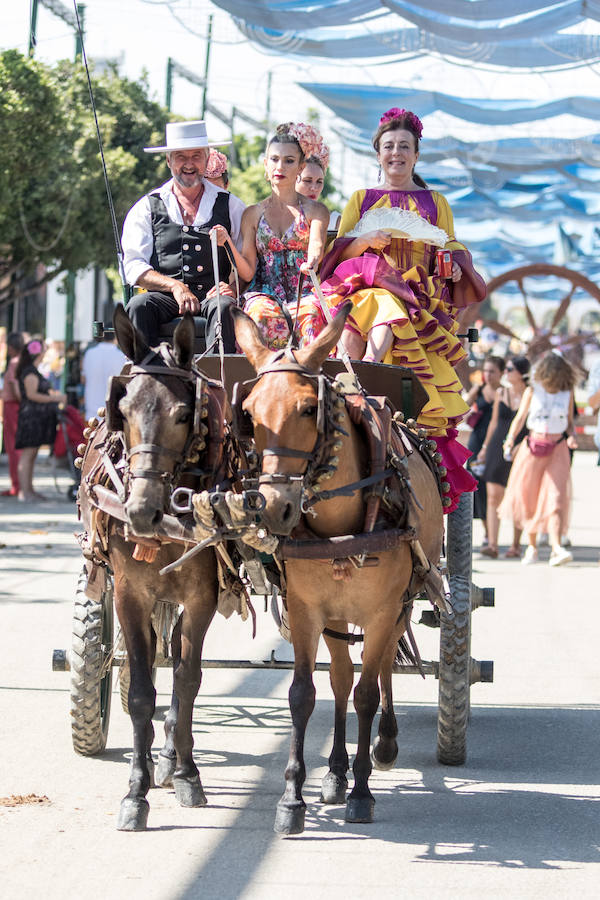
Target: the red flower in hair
(395, 113)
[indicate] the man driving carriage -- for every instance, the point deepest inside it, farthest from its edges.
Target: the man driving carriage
(166, 241)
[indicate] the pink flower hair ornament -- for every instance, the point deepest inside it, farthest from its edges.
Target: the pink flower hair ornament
(311, 142)
(395, 113)
(216, 165)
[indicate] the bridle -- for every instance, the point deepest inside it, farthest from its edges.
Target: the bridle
(321, 461)
(196, 439)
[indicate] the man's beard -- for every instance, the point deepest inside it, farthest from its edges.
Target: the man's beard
(189, 180)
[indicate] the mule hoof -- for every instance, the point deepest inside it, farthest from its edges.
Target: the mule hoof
(384, 754)
(163, 775)
(333, 789)
(133, 815)
(360, 809)
(188, 790)
(290, 819)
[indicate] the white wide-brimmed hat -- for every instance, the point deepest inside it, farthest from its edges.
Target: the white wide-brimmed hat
(185, 136)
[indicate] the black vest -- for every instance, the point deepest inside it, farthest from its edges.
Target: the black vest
(184, 251)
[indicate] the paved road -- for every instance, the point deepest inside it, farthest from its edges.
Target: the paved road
(521, 819)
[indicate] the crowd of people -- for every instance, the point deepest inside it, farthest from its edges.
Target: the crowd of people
(405, 311)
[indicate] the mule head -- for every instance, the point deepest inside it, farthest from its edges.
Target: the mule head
(156, 415)
(284, 406)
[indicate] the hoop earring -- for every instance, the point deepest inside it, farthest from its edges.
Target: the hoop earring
(379, 176)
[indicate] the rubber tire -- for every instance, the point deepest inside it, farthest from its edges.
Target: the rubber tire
(90, 689)
(455, 640)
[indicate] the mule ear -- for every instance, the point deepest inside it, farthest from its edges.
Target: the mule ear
(183, 341)
(130, 340)
(248, 336)
(314, 355)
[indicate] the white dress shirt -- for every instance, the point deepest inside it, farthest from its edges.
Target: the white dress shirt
(138, 241)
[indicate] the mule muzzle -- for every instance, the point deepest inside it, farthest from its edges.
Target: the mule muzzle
(283, 506)
(145, 507)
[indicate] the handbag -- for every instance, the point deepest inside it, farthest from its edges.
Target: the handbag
(541, 446)
(474, 416)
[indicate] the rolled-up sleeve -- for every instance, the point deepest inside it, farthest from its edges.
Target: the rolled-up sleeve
(137, 241)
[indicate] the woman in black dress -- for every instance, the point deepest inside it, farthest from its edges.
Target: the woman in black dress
(497, 468)
(481, 400)
(37, 416)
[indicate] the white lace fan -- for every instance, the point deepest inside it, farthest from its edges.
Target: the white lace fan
(401, 223)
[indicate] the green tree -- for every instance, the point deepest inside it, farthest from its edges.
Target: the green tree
(54, 214)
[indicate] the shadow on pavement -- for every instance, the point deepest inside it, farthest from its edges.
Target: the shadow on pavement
(465, 814)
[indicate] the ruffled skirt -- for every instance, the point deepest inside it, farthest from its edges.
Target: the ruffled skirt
(424, 340)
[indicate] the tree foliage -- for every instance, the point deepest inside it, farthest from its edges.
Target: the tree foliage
(54, 213)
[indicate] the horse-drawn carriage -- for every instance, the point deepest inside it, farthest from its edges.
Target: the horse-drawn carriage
(172, 489)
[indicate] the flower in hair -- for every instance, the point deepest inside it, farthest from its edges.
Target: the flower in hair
(216, 165)
(407, 115)
(311, 142)
(34, 347)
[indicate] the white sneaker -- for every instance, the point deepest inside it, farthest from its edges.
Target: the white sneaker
(531, 556)
(559, 557)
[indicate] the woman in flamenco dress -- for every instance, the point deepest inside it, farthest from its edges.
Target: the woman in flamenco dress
(405, 312)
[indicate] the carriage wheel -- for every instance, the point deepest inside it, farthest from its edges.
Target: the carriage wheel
(455, 640)
(91, 667)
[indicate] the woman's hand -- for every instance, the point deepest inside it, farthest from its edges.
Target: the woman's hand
(377, 240)
(223, 235)
(311, 263)
(572, 442)
(225, 290)
(456, 271)
(481, 455)
(58, 397)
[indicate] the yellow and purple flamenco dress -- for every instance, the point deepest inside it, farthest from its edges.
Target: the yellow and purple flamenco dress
(398, 288)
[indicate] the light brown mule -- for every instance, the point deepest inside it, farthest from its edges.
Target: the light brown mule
(284, 406)
(157, 413)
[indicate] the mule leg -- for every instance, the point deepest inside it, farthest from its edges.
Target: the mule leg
(167, 758)
(187, 678)
(289, 818)
(385, 745)
(133, 813)
(360, 805)
(341, 677)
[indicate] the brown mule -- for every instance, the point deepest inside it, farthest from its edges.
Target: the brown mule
(156, 413)
(285, 407)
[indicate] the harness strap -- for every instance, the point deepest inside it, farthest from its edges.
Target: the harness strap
(152, 448)
(350, 638)
(348, 489)
(287, 451)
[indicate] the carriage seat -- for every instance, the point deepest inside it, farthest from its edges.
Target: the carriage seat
(166, 332)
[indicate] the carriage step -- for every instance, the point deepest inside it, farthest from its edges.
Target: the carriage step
(482, 596)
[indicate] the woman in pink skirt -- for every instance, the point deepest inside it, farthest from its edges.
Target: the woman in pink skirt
(538, 493)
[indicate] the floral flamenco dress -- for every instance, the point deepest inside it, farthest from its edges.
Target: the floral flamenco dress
(272, 296)
(398, 288)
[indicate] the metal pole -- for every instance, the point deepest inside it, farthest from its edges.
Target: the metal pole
(268, 107)
(206, 62)
(169, 91)
(33, 27)
(78, 36)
